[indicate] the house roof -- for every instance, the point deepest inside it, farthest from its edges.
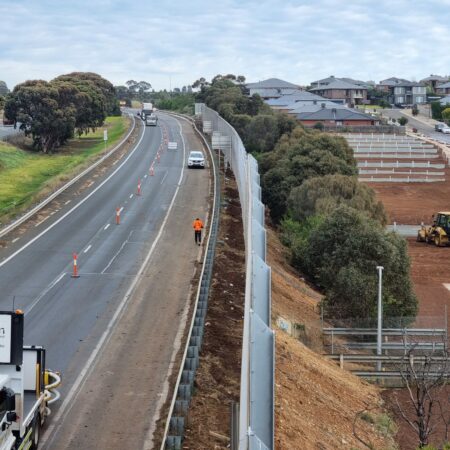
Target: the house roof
(303, 107)
(445, 100)
(334, 114)
(273, 92)
(337, 84)
(332, 78)
(298, 96)
(275, 83)
(443, 86)
(393, 81)
(434, 78)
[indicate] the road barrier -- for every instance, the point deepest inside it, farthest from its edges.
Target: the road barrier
(139, 187)
(256, 409)
(117, 216)
(256, 413)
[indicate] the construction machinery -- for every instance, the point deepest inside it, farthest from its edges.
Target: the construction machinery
(27, 387)
(438, 233)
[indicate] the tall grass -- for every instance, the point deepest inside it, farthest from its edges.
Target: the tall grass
(26, 176)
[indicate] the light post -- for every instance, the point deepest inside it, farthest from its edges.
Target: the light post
(380, 315)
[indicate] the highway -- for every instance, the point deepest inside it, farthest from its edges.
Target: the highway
(73, 317)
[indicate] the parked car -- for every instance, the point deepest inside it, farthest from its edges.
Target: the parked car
(439, 126)
(446, 129)
(196, 159)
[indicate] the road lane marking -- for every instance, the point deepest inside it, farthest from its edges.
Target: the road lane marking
(76, 388)
(81, 202)
(45, 292)
(121, 209)
(164, 177)
(117, 253)
(131, 196)
(68, 201)
(15, 240)
(107, 226)
(145, 176)
(42, 221)
(87, 248)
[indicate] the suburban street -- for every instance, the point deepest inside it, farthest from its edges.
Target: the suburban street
(146, 262)
(423, 125)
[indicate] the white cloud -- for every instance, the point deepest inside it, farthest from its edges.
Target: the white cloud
(175, 42)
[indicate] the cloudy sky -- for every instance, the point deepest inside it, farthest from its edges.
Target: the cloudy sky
(172, 43)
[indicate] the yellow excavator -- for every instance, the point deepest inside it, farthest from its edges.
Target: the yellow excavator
(438, 233)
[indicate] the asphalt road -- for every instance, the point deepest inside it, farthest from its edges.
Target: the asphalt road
(421, 126)
(67, 315)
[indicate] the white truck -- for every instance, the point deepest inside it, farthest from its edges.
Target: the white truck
(27, 388)
(147, 109)
(151, 120)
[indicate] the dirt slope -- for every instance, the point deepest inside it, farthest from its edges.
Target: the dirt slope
(316, 402)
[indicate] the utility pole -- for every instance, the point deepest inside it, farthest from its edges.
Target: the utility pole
(380, 315)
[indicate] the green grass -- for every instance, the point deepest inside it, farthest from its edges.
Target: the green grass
(25, 177)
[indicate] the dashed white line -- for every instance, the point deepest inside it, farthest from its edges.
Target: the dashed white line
(15, 240)
(131, 196)
(42, 221)
(145, 176)
(121, 209)
(107, 226)
(164, 177)
(87, 248)
(68, 201)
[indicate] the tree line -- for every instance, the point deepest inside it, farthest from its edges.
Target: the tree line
(51, 112)
(332, 223)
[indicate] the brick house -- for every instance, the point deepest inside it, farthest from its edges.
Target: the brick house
(404, 92)
(338, 89)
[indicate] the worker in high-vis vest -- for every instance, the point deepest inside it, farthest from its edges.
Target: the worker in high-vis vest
(197, 225)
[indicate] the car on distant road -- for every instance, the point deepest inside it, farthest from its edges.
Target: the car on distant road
(445, 130)
(196, 159)
(439, 126)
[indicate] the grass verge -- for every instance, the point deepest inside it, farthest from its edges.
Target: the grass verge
(26, 176)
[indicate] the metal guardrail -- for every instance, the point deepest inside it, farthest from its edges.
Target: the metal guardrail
(59, 191)
(256, 414)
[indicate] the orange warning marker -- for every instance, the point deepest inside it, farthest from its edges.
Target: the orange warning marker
(139, 187)
(152, 170)
(117, 216)
(158, 156)
(75, 266)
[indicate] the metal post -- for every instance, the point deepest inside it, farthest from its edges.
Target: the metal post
(380, 315)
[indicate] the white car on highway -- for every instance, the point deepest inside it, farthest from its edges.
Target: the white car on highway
(196, 159)
(445, 130)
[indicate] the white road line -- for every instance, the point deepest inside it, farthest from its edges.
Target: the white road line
(44, 292)
(164, 177)
(76, 388)
(447, 286)
(121, 209)
(42, 221)
(56, 222)
(68, 201)
(131, 196)
(115, 256)
(107, 226)
(87, 248)
(145, 176)
(15, 240)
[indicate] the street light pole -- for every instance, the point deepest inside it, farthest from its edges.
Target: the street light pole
(380, 315)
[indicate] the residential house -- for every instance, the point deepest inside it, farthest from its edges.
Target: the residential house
(272, 88)
(337, 89)
(286, 101)
(433, 81)
(443, 88)
(403, 92)
(331, 78)
(331, 114)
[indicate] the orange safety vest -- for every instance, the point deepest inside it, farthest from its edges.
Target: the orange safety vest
(197, 225)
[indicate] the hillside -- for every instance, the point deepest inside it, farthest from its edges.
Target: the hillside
(316, 402)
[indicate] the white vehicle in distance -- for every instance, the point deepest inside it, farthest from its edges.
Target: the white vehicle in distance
(196, 159)
(445, 130)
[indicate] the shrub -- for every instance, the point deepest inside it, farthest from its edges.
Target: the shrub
(321, 195)
(402, 121)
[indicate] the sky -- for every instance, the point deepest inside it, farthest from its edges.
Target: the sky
(173, 43)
